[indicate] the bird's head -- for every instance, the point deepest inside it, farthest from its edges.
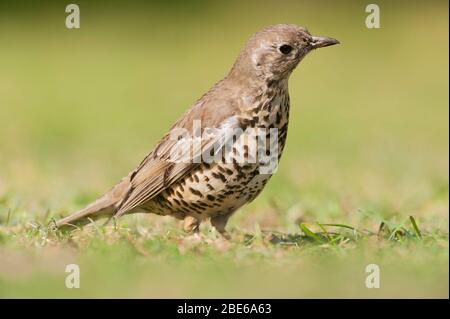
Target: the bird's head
(274, 52)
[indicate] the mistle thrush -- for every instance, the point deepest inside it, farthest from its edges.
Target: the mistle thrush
(254, 95)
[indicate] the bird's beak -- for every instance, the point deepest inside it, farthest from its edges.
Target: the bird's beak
(320, 42)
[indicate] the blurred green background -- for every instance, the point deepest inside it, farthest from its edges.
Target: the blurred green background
(368, 135)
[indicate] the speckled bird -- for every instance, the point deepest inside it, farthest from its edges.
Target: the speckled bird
(254, 94)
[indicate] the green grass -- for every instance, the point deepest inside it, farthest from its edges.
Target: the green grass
(136, 261)
(363, 179)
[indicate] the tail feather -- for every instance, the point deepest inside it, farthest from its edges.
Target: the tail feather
(99, 208)
(105, 206)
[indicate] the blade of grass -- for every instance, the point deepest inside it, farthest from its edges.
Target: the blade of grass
(416, 228)
(325, 231)
(398, 233)
(46, 214)
(355, 231)
(99, 232)
(340, 225)
(310, 233)
(8, 217)
(381, 227)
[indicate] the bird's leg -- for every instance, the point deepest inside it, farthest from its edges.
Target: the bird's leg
(219, 222)
(191, 225)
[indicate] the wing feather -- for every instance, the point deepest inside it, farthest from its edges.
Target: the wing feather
(171, 160)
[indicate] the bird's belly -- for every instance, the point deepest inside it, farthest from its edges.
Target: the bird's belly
(219, 187)
(210, 191)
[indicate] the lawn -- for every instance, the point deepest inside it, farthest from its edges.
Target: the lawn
(363, 178)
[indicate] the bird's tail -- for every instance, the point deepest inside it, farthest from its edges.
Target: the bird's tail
(105, 206)
(100, 208)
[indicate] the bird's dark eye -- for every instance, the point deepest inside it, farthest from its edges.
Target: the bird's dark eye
(285, 49)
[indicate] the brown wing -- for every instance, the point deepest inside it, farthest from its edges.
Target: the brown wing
(169, 161)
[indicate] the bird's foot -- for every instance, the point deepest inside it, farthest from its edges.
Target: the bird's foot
(218, 223)
(191, 225)
(224, 234)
